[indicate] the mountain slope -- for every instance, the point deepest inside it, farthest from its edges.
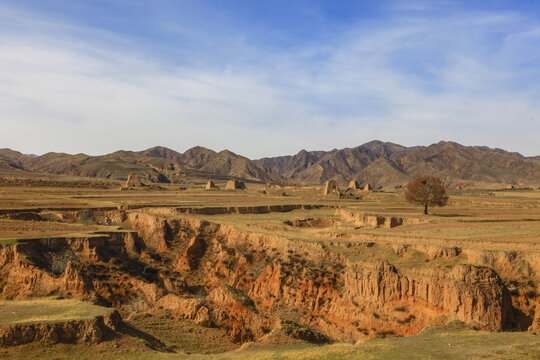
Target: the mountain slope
(115, 166)
(7, 168)
(384, 163)
(342, 165)
(449, 159)
(289, 166)
(157, 164)
(228, 163)
(161, 152)
(13, 158)
(224, 163)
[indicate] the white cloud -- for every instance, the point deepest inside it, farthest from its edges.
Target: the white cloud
(411, 81)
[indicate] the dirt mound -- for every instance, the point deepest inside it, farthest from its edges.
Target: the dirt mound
(354, 185)
(235, 185)
(330, 187)
(133, 181)
(210, 185)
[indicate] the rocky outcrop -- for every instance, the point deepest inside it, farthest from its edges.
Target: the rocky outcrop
(363, 305)
(153, 230)
(187, 307)
(21, 278)
(310, 222)
(235, 185)
(536, 321)
(91, 331)
(375, 221)
(107, 269)
(235, 311)
(194, 252)
(475, 295)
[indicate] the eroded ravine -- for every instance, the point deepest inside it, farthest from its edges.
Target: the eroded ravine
(250, 283)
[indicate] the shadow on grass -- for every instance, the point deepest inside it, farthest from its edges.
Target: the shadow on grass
(450, 215)
(149, 341)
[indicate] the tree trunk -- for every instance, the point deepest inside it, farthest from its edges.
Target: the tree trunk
(425, 209)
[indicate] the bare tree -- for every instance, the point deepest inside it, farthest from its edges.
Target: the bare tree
(427, 191)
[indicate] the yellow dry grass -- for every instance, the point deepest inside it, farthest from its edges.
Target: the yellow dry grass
(48, 310)
(438, 344)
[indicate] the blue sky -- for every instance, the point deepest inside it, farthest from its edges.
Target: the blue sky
(265, 78)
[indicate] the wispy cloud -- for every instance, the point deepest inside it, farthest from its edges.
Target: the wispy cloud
(410, 78)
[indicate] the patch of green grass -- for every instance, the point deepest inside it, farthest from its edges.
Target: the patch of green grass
(241, 297)
(9, 241)
(301, 332)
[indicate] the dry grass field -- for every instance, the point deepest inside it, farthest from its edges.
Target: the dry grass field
(459, 344)
(48, 310)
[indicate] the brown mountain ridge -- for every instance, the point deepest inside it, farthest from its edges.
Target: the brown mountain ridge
(376, 162)
(157, 165)
(385, 163)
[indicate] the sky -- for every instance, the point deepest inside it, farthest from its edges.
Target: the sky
(267, 78)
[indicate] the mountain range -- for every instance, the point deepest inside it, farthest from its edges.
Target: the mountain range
(379, 163)
(385, 163)
(157, 165)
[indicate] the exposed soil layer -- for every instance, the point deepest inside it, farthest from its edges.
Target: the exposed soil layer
(265, 209)
(55, 321)
(375, 221)
(314, 223)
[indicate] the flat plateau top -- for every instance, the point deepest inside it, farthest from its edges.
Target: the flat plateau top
(48, 310)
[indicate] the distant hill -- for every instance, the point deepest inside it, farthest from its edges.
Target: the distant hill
(115, 166)
(378, 163)
(12, 157)
(158, 164)
(8, 168)
(224, 163)
(384, 163)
